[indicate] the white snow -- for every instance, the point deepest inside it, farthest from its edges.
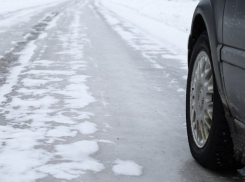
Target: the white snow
(129, 168)
(15, 72)
(86, 128)
(11, 6)
(33, 82)
(81, 153)
(43, 62)
(60, 118)
(53, 24)
(163, 22)
(37, 117)
(71, 170)
(49, 72)
(28, 104)
(13, 12)
(174, 13)
(61, 131)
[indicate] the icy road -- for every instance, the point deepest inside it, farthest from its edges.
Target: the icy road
(87, 94)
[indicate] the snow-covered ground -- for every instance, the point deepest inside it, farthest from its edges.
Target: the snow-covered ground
(14, 12)
(10, 6)
(174, 13)
(166, 22)
(95, 91)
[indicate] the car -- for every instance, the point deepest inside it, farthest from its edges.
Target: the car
(215, 93)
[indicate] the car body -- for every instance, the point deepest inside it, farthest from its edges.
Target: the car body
(224, 22)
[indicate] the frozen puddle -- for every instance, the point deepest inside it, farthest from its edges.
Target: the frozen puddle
(129, 168)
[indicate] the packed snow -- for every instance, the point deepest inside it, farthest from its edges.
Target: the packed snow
(129, 168)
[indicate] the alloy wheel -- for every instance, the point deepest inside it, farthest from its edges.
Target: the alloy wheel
(201, 99)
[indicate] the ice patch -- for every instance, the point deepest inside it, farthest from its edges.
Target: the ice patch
(129, 168)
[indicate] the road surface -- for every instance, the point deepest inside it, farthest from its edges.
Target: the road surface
(87, 96)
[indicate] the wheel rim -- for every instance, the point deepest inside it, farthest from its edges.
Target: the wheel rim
(201, 99)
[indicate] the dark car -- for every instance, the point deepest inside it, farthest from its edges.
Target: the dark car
(215, 99)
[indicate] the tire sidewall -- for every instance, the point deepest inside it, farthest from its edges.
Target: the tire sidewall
(200, 154)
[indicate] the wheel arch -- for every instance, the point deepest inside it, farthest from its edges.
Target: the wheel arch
(198, 26)
(205, 18)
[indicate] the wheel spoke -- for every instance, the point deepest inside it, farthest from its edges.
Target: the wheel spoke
(210, 88)
(208, 122)
(209, 110)
(199, 71)
(202, 131)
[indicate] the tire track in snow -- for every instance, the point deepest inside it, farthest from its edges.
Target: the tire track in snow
(11, 58)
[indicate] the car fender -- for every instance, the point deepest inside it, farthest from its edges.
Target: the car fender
(213, 24)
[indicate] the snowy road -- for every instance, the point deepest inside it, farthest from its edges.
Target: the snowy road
(88, 96)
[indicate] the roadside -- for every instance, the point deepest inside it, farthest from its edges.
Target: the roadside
(165, 22)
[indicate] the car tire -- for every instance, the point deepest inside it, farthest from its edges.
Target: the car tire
(207, 128)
